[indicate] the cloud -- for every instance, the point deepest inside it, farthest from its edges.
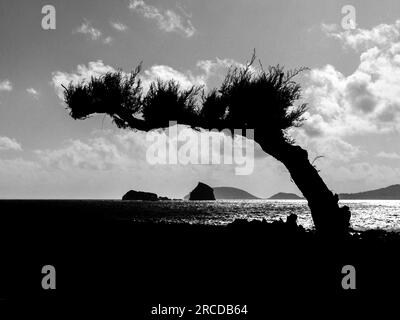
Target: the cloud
(106, 164)
(208, 73)
(109, 162)
(18, 173)
(380, 35)
(329, 28)
(344, 107)
(359, 175)
(118, 149)
(86, 28)
(82, 73)
(33, 92)
(367, 100)
(9, 144)
(331, 148)
(6, 85)
(107, 40)
(166, 73)
(96, 154)
(167, 20)
(119, 26)
(388, 155)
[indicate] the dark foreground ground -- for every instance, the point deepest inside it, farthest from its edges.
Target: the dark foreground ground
(106, 263)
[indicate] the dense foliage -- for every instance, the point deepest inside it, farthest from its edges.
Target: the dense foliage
(248, 98)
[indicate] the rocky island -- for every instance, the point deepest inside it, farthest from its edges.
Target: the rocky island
(144, 196)
(202, 192)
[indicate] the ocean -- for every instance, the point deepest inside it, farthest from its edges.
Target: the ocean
(366, 214)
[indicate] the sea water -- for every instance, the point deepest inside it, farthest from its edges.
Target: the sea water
(366, 214)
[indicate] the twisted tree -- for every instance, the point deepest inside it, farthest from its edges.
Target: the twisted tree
(248, 99)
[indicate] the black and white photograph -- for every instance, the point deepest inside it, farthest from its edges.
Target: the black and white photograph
(200, 159)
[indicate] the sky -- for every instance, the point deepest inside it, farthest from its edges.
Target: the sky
(352, 88)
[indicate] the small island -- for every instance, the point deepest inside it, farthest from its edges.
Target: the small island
(202, 192)
(143, 196)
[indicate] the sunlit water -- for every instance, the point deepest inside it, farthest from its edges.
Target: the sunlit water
(366, 214)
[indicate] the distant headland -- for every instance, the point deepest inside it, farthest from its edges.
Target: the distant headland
(227, 193)
(285, 196)
(389, 193)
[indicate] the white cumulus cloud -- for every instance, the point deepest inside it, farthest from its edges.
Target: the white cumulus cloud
(359, 38)
(9, 144)
(208, 73)
(388, 155)
(167, 20)
(6, 85)
(119, 26)
(33, 92)
(87, 29)
(367, 100)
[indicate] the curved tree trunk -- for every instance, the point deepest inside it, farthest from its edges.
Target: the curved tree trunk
(328, 217)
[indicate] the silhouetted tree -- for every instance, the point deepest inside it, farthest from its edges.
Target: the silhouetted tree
(248, 99)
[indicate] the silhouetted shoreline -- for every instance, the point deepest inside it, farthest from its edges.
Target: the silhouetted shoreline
(103, 256)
